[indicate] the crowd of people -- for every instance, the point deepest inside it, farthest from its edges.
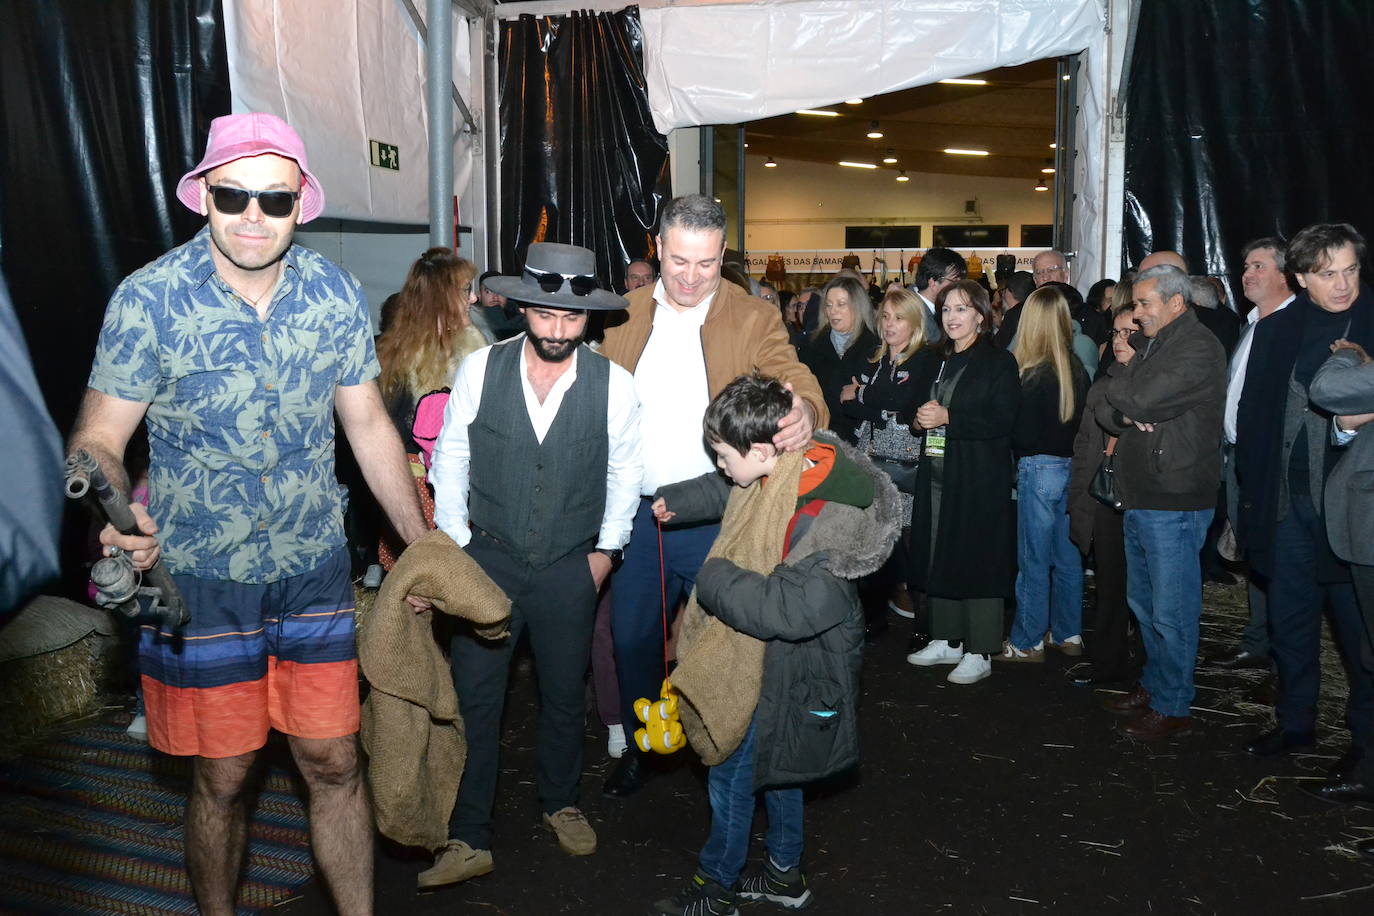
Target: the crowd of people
(781, 470)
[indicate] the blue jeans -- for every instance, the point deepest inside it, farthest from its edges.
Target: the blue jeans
(1049, 583)
(731, 787)
(1164, 590)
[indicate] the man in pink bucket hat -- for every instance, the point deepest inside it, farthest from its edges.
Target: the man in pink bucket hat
(237, 349)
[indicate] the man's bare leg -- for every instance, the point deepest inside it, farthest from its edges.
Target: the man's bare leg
(216, 835)
(340, 819)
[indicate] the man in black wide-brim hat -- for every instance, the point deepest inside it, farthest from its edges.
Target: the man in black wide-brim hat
(540, 455)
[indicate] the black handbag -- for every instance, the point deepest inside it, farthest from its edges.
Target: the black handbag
(1103, 487)
(903, 473)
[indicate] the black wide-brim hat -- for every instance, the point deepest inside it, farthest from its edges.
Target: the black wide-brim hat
(548, 259)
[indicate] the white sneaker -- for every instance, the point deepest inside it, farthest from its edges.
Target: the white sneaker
(615, 740)
(936, 652)
(138, 728)
(373, 577)
(972, 669)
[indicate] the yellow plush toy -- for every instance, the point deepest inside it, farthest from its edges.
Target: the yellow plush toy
(662, 732)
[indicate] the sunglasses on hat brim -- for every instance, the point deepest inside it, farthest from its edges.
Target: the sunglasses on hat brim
(233, 201)
(549, 282)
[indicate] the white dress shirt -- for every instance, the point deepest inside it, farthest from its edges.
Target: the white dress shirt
(449, 470)
(1240, 361)
(670, 379)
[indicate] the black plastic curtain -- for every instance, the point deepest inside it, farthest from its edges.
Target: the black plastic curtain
(581, 162)
(103, 106)
(1246, 119)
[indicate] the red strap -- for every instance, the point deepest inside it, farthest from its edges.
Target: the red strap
(663, 592)
(812, 509)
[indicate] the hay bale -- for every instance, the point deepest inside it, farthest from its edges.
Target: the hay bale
(57, 662)
(364, 599)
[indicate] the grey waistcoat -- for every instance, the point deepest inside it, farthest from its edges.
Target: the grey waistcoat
(540, 500)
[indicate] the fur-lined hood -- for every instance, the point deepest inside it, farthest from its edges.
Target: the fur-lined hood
(857, 542)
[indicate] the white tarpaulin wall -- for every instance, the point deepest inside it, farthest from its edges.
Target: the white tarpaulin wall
(345, 73)
(730, 61)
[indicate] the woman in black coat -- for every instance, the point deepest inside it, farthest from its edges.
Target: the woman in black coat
(840, 349)
(883, 402)
(963, 529)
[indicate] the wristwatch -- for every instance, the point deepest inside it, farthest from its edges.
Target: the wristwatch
(615, 555)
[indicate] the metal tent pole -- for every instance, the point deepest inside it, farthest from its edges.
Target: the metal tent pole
(439, 104)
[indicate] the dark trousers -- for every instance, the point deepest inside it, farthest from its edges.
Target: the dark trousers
(1295, 617)
(1114, 648)
(555, 605)
(637, 602)
(1364, 593)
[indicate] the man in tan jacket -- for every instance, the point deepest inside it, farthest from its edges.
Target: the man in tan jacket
(686, 337)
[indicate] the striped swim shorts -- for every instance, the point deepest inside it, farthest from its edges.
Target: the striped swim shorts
(255, 656)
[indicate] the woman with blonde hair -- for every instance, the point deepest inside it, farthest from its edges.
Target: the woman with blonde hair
(429, 334)
(840, 347)
(1054, 385)
(883, 401)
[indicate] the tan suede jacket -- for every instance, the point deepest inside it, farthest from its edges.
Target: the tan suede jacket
(741, 333)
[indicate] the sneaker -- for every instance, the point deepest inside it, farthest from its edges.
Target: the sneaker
(1073, 646)
(900, 604)
(787, 888)
(373, 577)
(138, 728)
(936, 652)
(615, 740)
(456, 861)
(1010, 653)
(575, 836)
(972, 669)
(701, 897)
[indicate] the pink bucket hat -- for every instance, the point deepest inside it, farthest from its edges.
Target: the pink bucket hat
(242, 135)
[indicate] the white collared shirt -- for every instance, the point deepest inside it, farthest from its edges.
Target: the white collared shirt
(624, 463)
(1240, 361)
(670, 380)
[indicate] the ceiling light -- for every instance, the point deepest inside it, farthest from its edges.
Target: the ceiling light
(901, 175)
(964, 82)
(770, 164)
(1065, 77)
(858, 165)
(965, 152)
(1041, 185)
(853, 101)
(889, 158)
(873, 132)
(746, 146)
(1054, 146)
(818, 112)
(1047, 170)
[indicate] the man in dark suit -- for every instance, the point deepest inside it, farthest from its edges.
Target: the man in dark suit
(1284, 457)
(1344, 385)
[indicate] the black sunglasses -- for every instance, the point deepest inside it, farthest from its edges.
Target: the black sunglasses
(580, 284)
(233, 201)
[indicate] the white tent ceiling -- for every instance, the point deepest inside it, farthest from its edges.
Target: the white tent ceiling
(358, 74)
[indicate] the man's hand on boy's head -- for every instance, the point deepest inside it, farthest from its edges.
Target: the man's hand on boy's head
(795, 429)
(660, 510)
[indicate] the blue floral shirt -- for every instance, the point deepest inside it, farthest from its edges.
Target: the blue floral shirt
(241, 410)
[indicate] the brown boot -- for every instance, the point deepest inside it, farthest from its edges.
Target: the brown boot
(1154, 725)
(1127, 704)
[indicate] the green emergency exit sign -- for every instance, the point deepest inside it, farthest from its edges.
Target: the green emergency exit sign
(385, 156)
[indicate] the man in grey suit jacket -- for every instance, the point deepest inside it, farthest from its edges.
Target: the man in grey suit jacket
(1344, 385)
